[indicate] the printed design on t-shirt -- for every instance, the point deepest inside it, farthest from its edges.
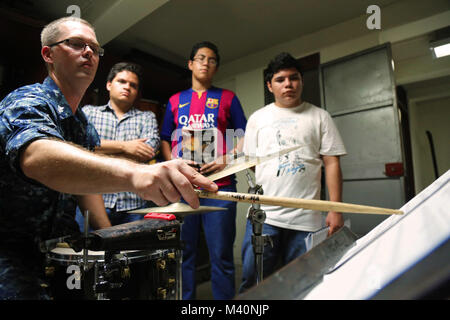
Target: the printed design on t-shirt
(290, 163)
(212, 103)
(183, 105)
(288, 166)
(197, 121)
(199, 145)
(199, 137)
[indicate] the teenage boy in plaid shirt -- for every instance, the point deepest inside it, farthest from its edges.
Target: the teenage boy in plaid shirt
(126, 132)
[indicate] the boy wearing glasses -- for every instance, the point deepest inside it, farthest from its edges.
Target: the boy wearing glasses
(46, 166)
(199, 126)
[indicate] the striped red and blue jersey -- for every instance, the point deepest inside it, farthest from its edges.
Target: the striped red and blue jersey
(214, 108)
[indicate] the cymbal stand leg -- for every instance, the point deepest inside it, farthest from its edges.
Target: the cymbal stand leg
(257, 216)
(178, 276)
(179, 262)
(85, 252)
(86, 232)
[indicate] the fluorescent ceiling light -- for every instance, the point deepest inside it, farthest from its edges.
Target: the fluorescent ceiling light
(441, 48)
(442, 51)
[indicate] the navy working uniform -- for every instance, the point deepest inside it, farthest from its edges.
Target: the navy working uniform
(29, 211)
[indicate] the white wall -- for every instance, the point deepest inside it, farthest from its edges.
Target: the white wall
(429, 108)
(431, 115)
(400, 22)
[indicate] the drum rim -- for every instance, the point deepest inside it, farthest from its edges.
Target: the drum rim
(128, 256)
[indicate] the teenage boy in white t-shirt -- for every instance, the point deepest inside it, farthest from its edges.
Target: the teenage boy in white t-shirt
(287, 122)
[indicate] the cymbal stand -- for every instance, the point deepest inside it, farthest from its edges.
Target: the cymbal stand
(178, 275)
(179, 262)
(102, 284)
(85, 254)
(86, 233)
(257, 216)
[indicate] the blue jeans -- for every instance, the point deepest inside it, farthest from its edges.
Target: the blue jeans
(115, 217)
(220, 232)
(287, 244)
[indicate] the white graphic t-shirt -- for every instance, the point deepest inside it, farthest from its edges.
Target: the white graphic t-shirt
(296, 174)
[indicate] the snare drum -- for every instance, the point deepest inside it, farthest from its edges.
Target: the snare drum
(142, 275)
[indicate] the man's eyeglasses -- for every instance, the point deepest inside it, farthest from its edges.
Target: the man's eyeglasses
(80, 45)
(201, 59)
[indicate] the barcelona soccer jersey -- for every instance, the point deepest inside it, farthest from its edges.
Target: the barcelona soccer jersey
(201, 126)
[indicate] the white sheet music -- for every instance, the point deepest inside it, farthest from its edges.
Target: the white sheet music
(392, 247)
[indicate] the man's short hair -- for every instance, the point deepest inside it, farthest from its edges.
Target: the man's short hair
(126, 66)
(282, 61)
(51, 32)
(205, 44)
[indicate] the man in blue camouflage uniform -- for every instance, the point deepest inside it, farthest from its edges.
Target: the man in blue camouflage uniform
(44, 161)
(30, 212)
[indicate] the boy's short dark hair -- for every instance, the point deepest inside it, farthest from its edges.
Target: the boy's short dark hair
(282, 61)
(126, 66)
(205, 44)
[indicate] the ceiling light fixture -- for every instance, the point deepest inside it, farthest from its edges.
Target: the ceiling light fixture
(440, 42)
(440, 48)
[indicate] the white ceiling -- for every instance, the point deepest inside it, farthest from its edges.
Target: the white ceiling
(167, 29)
(238, 27)
(244, 30)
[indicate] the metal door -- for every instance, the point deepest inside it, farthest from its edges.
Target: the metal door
(359, 93)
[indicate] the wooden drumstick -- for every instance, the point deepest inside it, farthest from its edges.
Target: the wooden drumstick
(320, 205)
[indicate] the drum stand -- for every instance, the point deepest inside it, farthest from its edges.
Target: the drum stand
(104, 280)
(178, 274)
(257, 216)
(179, 262)
(86, 233)
(88, 290)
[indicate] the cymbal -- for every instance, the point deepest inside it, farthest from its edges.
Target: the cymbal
(243, 162)
(178, 209)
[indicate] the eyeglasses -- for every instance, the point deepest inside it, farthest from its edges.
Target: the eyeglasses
(201, 59)
(80, 45)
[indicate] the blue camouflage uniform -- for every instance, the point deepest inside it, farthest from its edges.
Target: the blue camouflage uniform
(29, 211)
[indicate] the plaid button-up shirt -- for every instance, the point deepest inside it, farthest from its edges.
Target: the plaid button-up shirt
(135, 124)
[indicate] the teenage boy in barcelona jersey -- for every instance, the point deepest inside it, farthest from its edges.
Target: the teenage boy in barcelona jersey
(205, 119)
